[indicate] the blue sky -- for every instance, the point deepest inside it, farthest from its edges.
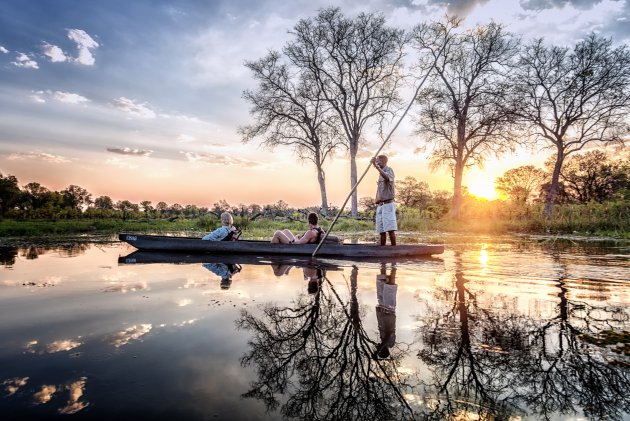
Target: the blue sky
(141, 99)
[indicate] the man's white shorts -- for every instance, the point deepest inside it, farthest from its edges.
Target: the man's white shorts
(386, 218)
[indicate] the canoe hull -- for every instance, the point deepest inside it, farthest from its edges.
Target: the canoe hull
(196, 245)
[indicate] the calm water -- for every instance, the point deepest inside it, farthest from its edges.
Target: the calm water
(496, 328)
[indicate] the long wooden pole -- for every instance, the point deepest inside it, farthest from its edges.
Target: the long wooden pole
(375, 154)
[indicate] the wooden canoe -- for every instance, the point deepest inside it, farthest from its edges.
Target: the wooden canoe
(197, 245)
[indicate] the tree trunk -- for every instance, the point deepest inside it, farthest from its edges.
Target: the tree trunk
(321, 178)
(354, 148)
(457, 190)
(553, 189)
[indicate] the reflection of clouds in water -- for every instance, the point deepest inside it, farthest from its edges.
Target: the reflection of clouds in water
(12, 385)
(183, 302)
(62, 345)
(55, 346)
(185, 322)
(134, 332)
(76, 391)
(124, 288)
(196, 282)
(45, 394)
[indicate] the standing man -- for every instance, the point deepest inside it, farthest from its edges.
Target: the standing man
(386, 208)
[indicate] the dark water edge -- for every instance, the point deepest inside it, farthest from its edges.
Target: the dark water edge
(496, 328)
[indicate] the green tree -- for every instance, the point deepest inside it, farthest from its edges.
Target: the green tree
(593, 177)
(104, 203)
(519, 184)
(161, 207)
(9, 193)
(413, 193)
(76, 197)
(146, 207)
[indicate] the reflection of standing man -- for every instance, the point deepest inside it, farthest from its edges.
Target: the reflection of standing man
(386, 289)
(314, 275)
(386, 208)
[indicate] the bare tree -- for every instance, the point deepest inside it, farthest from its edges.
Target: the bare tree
(289, 111)
(575, 98)
(465, 114)
(356, 65)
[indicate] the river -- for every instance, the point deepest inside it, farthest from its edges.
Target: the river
(505, 328)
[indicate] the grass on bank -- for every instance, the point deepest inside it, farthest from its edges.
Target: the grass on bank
(593, 219)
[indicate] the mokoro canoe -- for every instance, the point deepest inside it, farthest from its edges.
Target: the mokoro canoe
(197, 245)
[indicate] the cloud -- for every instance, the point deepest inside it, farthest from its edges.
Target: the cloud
(53, 52)
(85, 44)
(62, 345)
(130, 106)
(55, 159)
(184, 138)
(37, 96)
(76, 390)
(13, 385)
(3, 50)
(134, 332)
(459, 7)
(129, 151)
(69, 98)
(121, 163)
(45, 394)
(558, 4)
(25, 61)
(216, 159)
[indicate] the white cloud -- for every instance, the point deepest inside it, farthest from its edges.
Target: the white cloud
(37, 96)
(85, 44)
(122, 163)
(185, 138)
(25, 61)
(125, 336)
(14, 384)
(55, 159)
(133, 108)
(217, 159)
(53, 52)
(129, 151)
(3, 50)
(76, 390)
(45, 394)
(69, 98)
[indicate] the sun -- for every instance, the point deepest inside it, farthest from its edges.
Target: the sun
(482, 188)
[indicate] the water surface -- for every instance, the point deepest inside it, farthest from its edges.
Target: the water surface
(495, 328)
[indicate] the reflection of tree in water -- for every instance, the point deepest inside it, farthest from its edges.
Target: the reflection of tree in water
(490, 363)
(566, 373)
(318, 355)
(465, 349)
(7, 255)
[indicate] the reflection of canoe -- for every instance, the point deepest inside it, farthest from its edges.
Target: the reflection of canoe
(196, 245)
(148, 257)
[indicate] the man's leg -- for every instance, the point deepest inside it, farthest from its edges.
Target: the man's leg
(392, 238)
(383, 238)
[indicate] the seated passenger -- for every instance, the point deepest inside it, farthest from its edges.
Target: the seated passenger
(312, 235)
(224, 232)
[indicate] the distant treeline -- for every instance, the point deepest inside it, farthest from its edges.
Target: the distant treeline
(590, 177)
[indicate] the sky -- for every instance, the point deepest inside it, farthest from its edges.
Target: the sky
(142, 99)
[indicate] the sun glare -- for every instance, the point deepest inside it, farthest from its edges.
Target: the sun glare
(483, 188)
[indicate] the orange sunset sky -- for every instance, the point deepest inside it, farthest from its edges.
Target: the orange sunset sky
(142, 100)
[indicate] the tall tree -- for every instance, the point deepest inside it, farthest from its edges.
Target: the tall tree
(572, 99)
(289, 111)
(518, 184)
(356, 65)
(104, 203)
(465, 113)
